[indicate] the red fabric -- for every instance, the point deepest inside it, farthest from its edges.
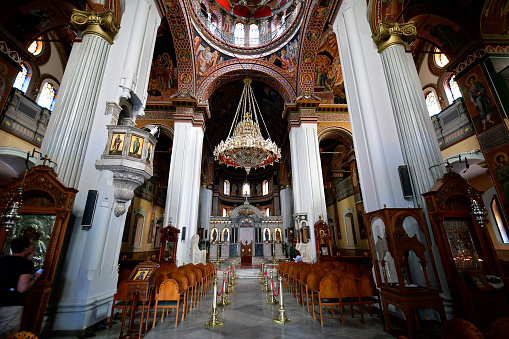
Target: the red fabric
(225, 4)
(242, 11)
(263, 12)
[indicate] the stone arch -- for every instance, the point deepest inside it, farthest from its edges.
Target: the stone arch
(212, 78)
(337, 133)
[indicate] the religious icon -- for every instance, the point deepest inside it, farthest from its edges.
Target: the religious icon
(307, 79)
(213, 235)
(185, 78)
(149, 153)
(179, 33)
(278, 235)
(116, 143)
(313, 34)
(479, 98)
(225, 235)
(502, 171)
(136, 147)
(142, 274)
(266, 234)
(309, 57)
(183, 56)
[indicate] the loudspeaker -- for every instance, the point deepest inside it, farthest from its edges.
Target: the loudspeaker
(183, 234)
(88, 213)
(406, 184)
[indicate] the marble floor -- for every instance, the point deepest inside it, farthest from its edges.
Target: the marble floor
(249, 316)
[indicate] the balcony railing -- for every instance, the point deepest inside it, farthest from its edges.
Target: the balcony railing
(452, 124)
(25, 118)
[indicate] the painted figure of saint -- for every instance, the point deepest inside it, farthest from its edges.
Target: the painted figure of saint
(480, 100)
(117, 143)
(267, 235)
(503, 173)
(136, 146)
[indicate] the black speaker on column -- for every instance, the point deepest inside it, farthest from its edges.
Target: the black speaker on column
(406, 184)
(88, 213)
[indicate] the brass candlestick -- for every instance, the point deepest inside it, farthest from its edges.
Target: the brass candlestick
(214, 322)
(282, 319)
(272, 300)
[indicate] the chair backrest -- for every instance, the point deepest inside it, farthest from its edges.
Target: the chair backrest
(333, 276)
(460, 328)
(313, 281)
(198, 273)
(348, 288)
(353, 269)
(181, 281)
(304, 276)
(191, 277)
(22, 335)
(168, 290)
(328, 288)
(159, 280)
(499, 329)
(367, 287)
(121, 291)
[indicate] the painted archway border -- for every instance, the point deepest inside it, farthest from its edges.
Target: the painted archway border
(276, 79)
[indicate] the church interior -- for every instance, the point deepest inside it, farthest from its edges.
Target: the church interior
(366, 138)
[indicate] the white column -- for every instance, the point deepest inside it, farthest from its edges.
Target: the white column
(307, 181)
(68, 133)
(377, 148)
(128, 80)
(205, 209)
(184, 185)
(286, 208)
(415, 131)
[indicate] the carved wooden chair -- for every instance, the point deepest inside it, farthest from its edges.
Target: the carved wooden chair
(349, 293)
(328, 295)
(460, 328)
(368, 293)
(166, 298)
(499, 329)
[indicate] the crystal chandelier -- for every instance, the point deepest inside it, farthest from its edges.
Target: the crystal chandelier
(246, 147)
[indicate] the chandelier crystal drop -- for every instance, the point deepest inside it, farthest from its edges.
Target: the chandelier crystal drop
(246, 147)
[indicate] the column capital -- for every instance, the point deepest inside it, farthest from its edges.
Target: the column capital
(102, 24)
(390, 34)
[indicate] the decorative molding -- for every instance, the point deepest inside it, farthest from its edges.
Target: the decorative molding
(479, 54)
(102, 24)
(391, 34)
(12, 54)
(114, 109)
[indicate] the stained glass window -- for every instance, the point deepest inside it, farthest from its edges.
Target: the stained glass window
(226, 187)
(36, 47)
(23, 78)
(440, 59)
(452, 89)
(254, 35)
(432, 103)
(265, 187)
(47, 96)
(246, 189)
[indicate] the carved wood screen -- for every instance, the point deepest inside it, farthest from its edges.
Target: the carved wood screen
(45, 201)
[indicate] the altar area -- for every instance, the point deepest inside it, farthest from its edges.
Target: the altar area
(246, 231)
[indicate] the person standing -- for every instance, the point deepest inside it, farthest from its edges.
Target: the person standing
(17, 277)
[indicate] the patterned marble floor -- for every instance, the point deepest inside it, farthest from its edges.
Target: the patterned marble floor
(249, 316)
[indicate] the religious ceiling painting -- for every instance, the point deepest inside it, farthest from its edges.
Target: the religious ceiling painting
(163, 81)
(328, 73)
(206, 56)
(287, 58)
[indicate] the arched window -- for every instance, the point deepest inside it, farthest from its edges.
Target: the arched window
(501, 224)
(452, 89)
(239, 34)
(47, 96)
(254, 35)
(226, 187)
(36, 47)
(440, 59)
(246, 189)
(23, 78)
(432, 103)
(267, 212)
(225, 212)
(265, 187)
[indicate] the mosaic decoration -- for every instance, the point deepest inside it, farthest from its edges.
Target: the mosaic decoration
(276, 80)
(163, 83)
(313, 26)
(286, 58)
(329, 74)
(176, 18)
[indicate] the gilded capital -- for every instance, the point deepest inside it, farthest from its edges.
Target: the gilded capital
(387, 34)
(102, 24)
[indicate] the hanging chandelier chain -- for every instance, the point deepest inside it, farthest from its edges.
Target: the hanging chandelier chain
(261, 117)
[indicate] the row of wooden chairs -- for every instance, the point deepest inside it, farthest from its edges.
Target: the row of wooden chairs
(174, 286)
(330, 284)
